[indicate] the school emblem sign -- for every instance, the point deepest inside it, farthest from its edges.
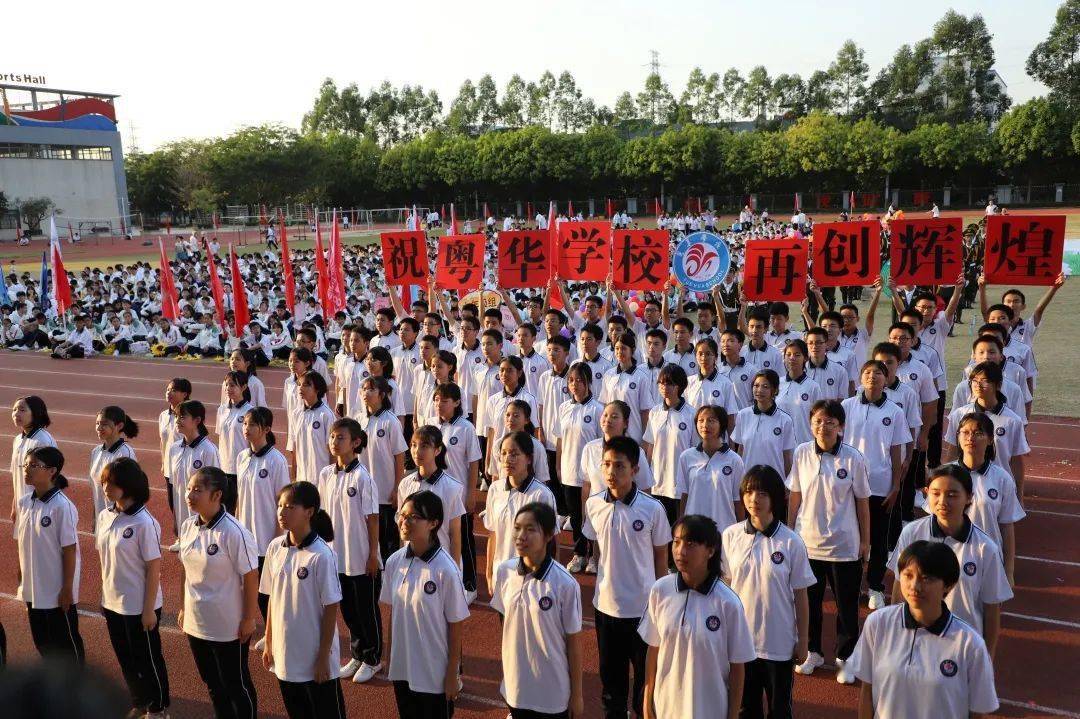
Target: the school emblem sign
(701, 261)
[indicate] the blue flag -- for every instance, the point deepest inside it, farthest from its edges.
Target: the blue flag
(44, 295)
(4, 297)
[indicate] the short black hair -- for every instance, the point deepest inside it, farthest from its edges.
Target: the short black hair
(625, 446)
(933, 558)
(831, 407)
(765, 478)
(126, 475)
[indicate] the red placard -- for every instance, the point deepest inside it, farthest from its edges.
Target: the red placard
(926, 252)
(846, 253)
(405, 258)
(640, 259)
(461, 262)
(1024, 249)
(584, 251)
(775, 270)
(524, 258)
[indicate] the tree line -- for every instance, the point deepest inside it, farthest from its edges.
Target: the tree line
(934, 115)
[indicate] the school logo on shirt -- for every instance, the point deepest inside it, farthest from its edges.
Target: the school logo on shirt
(777, 557)
(1000, 431)
(993, 493)
(46, 521)
(128, 533)
(633, 385)
(913, 376)
(742, 377)
(727, 470)
(712, 622)
(476, 360)
(933, 330)
(413, 360)
(841, 473)
(638, 525)
(716, 393)
(351, 491)
(239, 420)
(776, 431)
(767, 364)
(805, 397)
(830, 381)
(693, 365)
(565, 390)
(533, 369)
(264, 473)
(197, 463)
(453, 441)
(949, 668)
(587, 419)
(545, 603)
(212, 549)
(969, 568)
(381, 433)
(316, 424)
(886, 421)
(429, 587)
(597, 376)
(682, 426)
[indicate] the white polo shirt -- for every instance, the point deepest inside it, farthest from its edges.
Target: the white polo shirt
(447, 488)
(904, 397)
(599, 367)
(397, 405)
(932, 359)
(592, 456)
(496, 421)
(385, 442)
(700, 633)
(553, 392)
(780, 340)
(670, 431)
(43, 527)
(1009, 437)
(874, 428)
(484, 384)
(301, 581)
(797, 398)
(982, 569)
(842, 356)
(831, 377)
(741, 376)
(578, 424)
(467, 362)
(711, 482)
(627, 530)
(924, 672)
(22, 444)
(406, 360)
(425, 595)
(540, 610)
(715, 389)
(764, 436)
(858, 342)
(259, 477)
(829, 480)
(290, 402)
(462, 447)
(502, 505)
(349, 496)
(913, 372)
(312, 434)
(1017, 395)
(765, 357)
(126, 540)
(230, 431)
(632, 387)
(186, 460)
(216, 556)
(100, 457)
(535, 366)
(765, 569)
(687, 360)
(993, 501)
(168, 438)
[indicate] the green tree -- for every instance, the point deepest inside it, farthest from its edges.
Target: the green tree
(788, 95)
(655, 102)
(695, 98)
(152, 180)
(567, 104)
(733, 88)
(1055, 61)
(757, 93)
(625, 109)
(33, 210)
(515, 97)
(1034, 133)
(848, 73)
(963, 79)
(463, 110)
(821, 95)
(543, 98)
(487, 103)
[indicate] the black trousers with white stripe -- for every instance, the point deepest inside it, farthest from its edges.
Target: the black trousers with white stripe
(360, 610)
(56, 633)
(223, 667)
(311, 700)
(139, 654)
(389, 538)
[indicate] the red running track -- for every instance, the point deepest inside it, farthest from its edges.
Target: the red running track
(1042, 622)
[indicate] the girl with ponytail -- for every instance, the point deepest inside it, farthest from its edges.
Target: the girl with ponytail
(114, 428)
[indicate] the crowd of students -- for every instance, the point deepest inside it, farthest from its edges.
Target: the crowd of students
(715, 468)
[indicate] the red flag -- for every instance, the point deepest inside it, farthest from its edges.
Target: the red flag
(263, 220)
(169, 303)
(486, 213)
(71, 235)
(168, 227)
(335, 291)
(555, 298)
(286, 269)
(215, 285)
(851, 204)
(453, 220)
(241, 315)
(320, 263)
(528, 211)
(442, 213)
(656, 206)
(214, 219)
(61, 286)
(797, 203)
(610, 213)
(570, 210)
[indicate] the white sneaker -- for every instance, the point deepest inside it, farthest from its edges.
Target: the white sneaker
(813, 661)
(156, 715)
(877, 600)
(576, 565)
(591, 566)
(175, 547)
(350, 669)
(261, 644)
(470, 596)
(366, 672)
(844, 675)
(564, 522)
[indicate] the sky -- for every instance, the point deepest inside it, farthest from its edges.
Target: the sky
(203, 69)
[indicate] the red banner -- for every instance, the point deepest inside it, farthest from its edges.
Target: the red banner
(461, 262)
(584, 251)
(775, 270)
(926, 252)
(524, 258)
(846, 253)
(641, 259)
(405, 258)
(1024, 249)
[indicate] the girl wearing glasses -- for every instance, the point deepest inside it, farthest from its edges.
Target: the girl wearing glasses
(30, 417)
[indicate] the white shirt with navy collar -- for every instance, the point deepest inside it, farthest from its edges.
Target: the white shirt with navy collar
(188, 458)
(711, 482)
(780, 340)
(631, 386)
(535, 365)
(712, 389)
(831, 376)
(447, 488)
(578, 424)
(687, 360)
(312, 433)
(349, 496)
(874, 428)
(797, 398)
(670, 431)
(43, 527)
(259, 477)
(502, 505)
(216, 555)
(553, 393)
(20, 445)
(763, 436)
(592, 456)
(913, 372)
(462, 447)
(126, 540)
(993, 499)
(1010, 439)
(829, 481)
(741, 374)
(100, 456)
(764, 357)
(230, 432)
(385, 442)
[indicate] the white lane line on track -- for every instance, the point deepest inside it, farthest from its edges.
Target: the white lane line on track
(1032, 706)
(1044, 620)
(1044, 478)
(1049, 561)
(1052, 514)
(1056, 449)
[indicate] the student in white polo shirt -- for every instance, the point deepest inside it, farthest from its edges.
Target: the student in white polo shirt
(876, 426)
(829, 507)
(301, 361)
(541, 629)
(764, 433)
(301, 626)
(983, 586)
(709, 472)
(632, 532)
(219, 580)
(46, 525)
(629, 382)
(30, 417)
(311, 428)
(432, 474)
(988, 347)
(261, 470)
(757, 350)
(682, 351)
(534, 361)
(423, 589)
(614, 420)
(708, 385)
(512, 387)
(798, 393)
(114, 428)
(739, 370)
(779, 334)
(384, 456)
(766, 564)
(589, 338)
(1015, 300)
(177, 391)
(230, 428)
(669, 433)
(831, 376)
(995, 507)
(506, 496)
(350, 499)
(462, 460)
(1014, 350)
(694, 624)
(905, 397)
(192, 453)
(916, 659)
(128, 541)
